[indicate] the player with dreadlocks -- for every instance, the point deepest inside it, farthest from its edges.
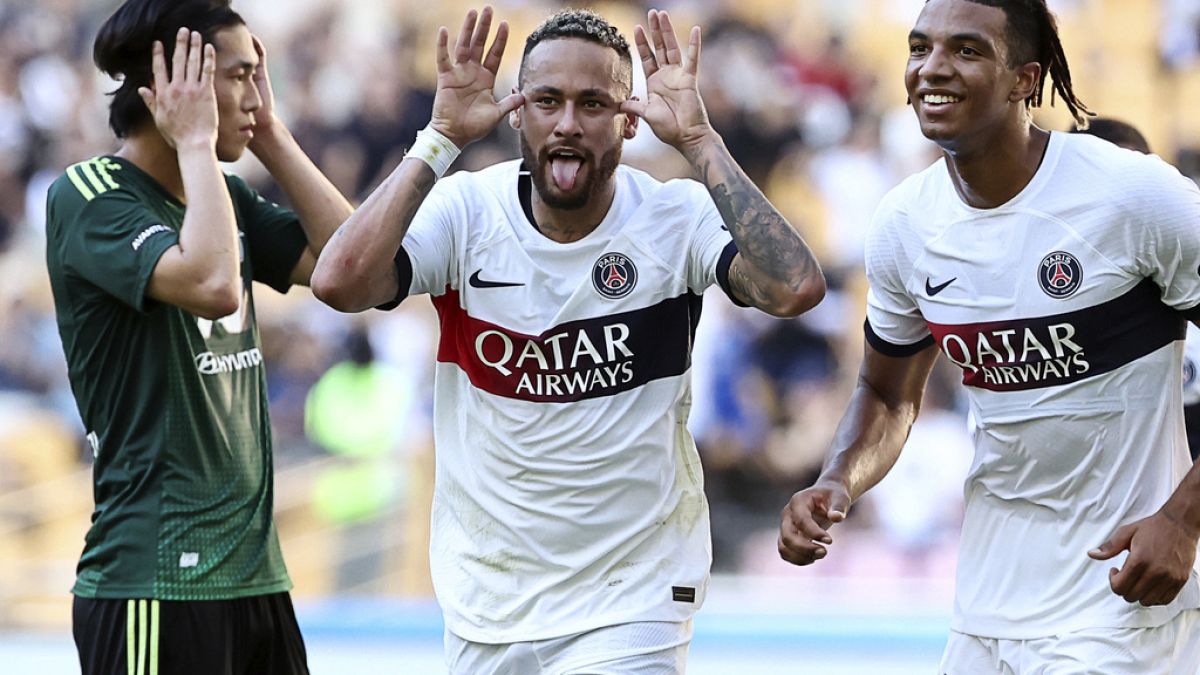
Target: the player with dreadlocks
(1057, 271)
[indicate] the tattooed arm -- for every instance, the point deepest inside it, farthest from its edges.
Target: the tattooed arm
(774, 270)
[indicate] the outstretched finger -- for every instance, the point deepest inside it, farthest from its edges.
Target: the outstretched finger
(1120, 540)
(195, 53)
(179, 57)
(656, 36)
(479, 41)
(692, 64)
(158, 65)
(492, 62)
(462, 50)
(674, 56)
(443, 51)
(649, 64)
(209, 70)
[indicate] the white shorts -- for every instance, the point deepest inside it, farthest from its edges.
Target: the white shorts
(1170, 649)
(644, 648)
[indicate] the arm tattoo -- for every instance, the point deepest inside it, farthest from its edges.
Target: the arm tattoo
(774, 251)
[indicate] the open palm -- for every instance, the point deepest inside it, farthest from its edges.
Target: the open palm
(464, 107)
(673, 107)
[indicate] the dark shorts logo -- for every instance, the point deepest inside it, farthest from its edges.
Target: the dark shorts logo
(1060, 274)
(614, 275)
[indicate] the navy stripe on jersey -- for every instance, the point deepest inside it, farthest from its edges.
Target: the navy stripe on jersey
(1048, 351)
(723, 264)
(1192, 314)
(894, 350)
(404, 274)
(589, 358)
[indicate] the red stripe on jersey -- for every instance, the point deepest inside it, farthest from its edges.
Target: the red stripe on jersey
(577, 360)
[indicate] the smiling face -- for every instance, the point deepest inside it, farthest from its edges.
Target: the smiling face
(571, 127)
(237, 97)
(958, 78)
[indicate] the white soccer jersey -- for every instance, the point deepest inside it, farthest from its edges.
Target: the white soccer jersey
(569, 493)
(1065, 310)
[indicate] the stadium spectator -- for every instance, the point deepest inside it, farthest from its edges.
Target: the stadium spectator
(570, 525)
(151, 253)
(1056, 271)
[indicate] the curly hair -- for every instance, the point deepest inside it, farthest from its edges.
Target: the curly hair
(584, 24)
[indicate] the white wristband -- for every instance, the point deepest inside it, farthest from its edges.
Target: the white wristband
(434, 149)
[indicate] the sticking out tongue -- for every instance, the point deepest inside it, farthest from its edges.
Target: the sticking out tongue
(565, 169)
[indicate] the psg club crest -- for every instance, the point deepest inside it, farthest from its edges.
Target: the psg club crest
(614, 275)
(1060, 274)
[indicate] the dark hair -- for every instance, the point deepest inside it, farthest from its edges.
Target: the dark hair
(1118, 133)
(125, 43)
(1031, 33)
(584, 24)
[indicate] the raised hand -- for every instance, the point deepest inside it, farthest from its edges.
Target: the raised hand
(806, 520)
(464, 107)
(264, 117)
(184, 105)
(673, 107)
(1161, 553)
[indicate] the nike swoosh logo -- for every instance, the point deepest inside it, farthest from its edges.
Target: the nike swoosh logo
(934, 290)
(476, 282)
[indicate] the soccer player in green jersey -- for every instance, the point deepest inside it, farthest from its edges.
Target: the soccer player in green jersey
(151, 252)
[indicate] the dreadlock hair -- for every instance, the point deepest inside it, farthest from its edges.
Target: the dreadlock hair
(125, 43)
(584, 24)
(1031, 33)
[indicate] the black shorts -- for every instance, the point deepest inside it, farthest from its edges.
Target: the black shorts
(247, 636)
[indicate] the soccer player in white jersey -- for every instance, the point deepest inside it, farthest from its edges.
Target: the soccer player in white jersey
(1127, 136)
(570, 530)
(1056, 270)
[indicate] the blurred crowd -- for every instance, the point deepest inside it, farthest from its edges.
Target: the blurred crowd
(818, 124)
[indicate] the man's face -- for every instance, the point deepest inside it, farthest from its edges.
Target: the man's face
(237, 97)
(957, 76)
(571, 127)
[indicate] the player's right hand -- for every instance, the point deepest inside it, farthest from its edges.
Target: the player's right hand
(184, 105)
(806, 520)
(464, 107)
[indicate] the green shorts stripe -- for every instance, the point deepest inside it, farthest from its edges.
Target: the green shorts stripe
(130, 618)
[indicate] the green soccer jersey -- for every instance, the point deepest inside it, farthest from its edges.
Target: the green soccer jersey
(175, 406)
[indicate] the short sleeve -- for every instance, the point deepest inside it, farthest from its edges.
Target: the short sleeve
(895, 326)
(274, 238)
(426, 261)
(711, 250)
(1165, 207)
(115, 242)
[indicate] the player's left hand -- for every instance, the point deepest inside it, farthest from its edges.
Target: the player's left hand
(264, 117)
(1162, 551)
(673, 107)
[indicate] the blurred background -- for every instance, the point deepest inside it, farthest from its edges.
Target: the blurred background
(808, 96)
